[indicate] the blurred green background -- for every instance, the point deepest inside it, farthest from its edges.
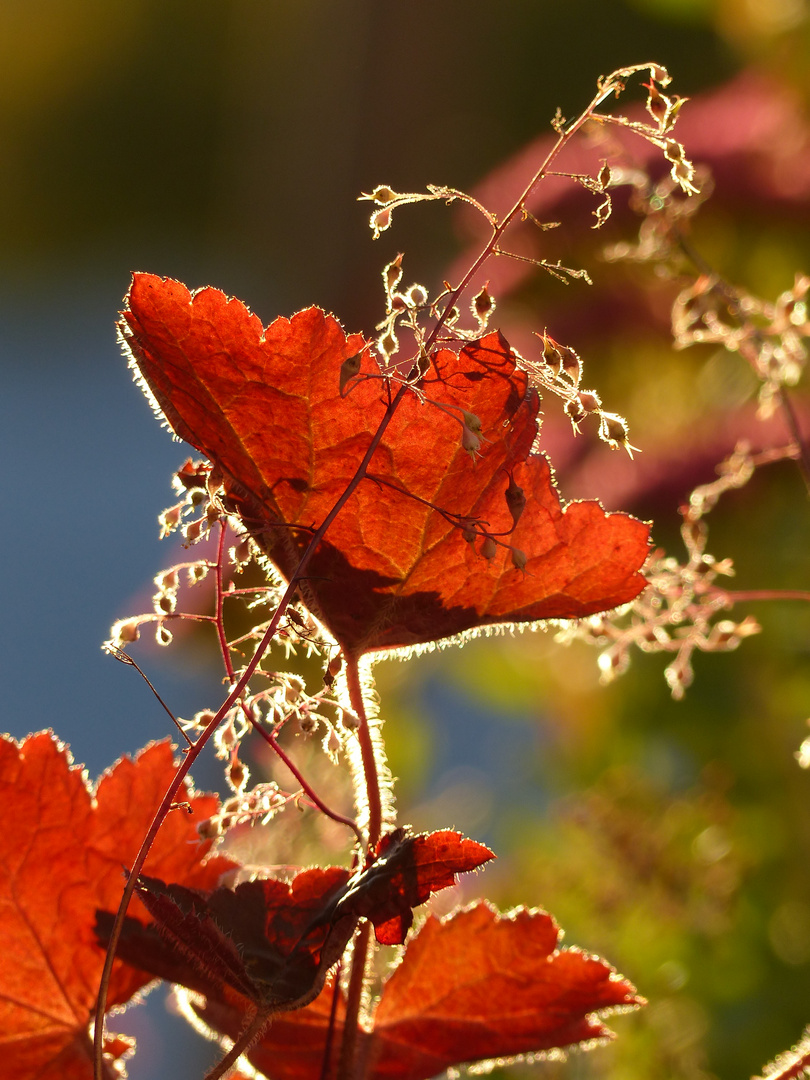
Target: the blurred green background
(225, 143)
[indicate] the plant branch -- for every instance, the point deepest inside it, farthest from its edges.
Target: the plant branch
(354, 997)
(247, 1038)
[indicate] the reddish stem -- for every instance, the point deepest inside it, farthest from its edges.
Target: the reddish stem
(364, 737)
(739, 596)
(348, 1050)
(246, 1039)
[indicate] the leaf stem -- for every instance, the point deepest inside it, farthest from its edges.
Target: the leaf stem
(247, 1038)
(354, 998)
(371, 774)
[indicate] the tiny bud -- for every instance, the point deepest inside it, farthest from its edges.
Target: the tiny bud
(308, 724)
(590, 400)
(417, 296)
(470, 442)
(349, 721)
(168, 580)
(489, 548)
(169, 520)
(197, 573)
(388, 343)
(472, 422)
(163, 635)
(296, 619)
(165, 603)
(574, 412)
(519, 558)
(226, 739)
(209, 829)
(515, 500)
(392, 274)
(335, 664)
(469, 534)
(551, 354)
(348, 369)
(380, 221)
(237, 775)
(331, 745)
(241, 553)
(191, 475)
(382, 194)
(126, 631)
(483, 305)
(613, 430)
(571, 363)
(192, 531)
(293, 689)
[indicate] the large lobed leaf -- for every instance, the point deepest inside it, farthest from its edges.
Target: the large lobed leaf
(475, 986)
(264, 405)
(62, 855)
(273, 942)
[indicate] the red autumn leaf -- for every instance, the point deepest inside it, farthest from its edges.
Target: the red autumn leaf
(473, 987)
(479, 985)
(405, 871)
(61, 861)
(273, 942)
(394, 570)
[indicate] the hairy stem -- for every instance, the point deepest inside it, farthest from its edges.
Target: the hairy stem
(371, 797)
(348, 1051)
(247, 1038)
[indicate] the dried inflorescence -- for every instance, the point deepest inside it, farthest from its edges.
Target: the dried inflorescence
(680, 610)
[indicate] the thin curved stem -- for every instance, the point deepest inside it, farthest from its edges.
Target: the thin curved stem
(247, 1038)
(354, 998)
(740, 596)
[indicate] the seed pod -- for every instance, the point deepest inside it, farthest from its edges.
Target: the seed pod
(483, 305)
(590, 400)
(126, 631)
(519, 558)
(472, 422)
(470, 441)
(237, 775)
(515, 500)
(489, 548)
(169, 520)
(348, 369)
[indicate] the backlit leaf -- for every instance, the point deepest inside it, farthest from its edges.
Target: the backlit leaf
(265, 406)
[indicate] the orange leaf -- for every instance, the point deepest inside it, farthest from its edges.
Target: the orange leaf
(61, 861)
(479, 985)
(405, 871)
(265, 406)
(273, 942)
(473, 987)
